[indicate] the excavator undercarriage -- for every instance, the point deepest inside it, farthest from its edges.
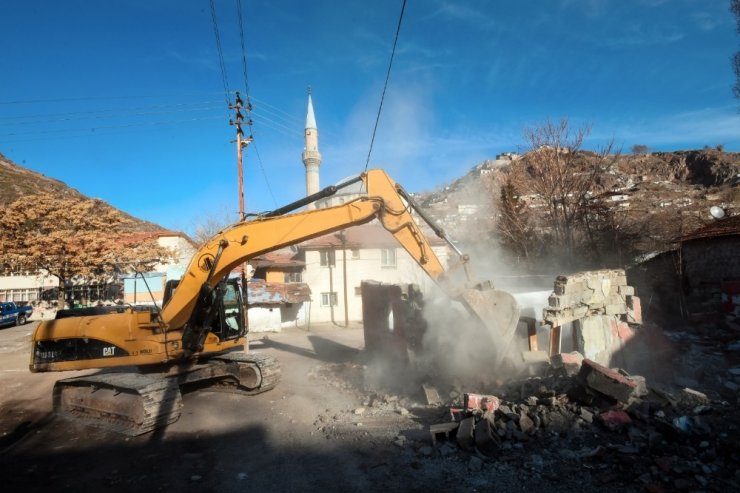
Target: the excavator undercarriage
(134, 403)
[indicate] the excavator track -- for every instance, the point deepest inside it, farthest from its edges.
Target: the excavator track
(256, 372)
(128, 403)
(135, 403)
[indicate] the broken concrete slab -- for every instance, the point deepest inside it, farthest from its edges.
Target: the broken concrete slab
(570, 362)
(465, 433)
(431, 394)
(443, 431)
(486, 439)
(606, 381)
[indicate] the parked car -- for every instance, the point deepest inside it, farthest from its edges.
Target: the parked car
(12, 314)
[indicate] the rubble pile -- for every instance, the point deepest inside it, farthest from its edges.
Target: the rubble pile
(601, 422)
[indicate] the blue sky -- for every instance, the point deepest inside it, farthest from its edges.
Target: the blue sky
(124, 100)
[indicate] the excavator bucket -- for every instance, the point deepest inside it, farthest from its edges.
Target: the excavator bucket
(498, 312)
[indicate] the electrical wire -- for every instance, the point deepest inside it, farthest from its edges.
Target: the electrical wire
(264, 174)
(125, 125)
(117, 111)
(385, 86)
(112, 115)
(224, 76)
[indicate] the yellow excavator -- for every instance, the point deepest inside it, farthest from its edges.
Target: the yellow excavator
(199, 336)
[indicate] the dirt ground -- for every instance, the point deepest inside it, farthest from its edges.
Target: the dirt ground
(329, 425)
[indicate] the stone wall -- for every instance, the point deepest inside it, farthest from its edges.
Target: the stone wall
(601, 306)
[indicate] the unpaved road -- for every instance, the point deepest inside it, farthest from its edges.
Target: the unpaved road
(331, 425)
(307, 434)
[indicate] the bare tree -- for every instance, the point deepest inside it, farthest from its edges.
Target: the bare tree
(209, 225)
(640, 149)
(559, 181)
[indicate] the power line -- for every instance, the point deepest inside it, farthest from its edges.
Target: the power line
(385, 86)
(264, 174)
(224, 77)
(93, 129)
(118, 111)
(112, 115)
(93, 98)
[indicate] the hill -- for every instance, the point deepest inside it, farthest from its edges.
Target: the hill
(17, 181)
(660, 195)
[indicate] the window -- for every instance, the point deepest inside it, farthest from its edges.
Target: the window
(292, 277)
(328, 258)
(329, 299)
(388, 258)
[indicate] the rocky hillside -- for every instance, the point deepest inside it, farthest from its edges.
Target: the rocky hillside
(17, 181)
(677, 189)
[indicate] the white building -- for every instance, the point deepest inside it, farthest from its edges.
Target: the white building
(136, 290)
(336, 265)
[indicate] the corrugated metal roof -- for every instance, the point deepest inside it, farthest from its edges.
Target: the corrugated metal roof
(721, 227)
(278, 259)
(260, 292)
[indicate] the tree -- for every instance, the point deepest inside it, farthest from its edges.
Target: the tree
(561, 182)
(640, 149)
(513, 223)
(735, 9)
(73, 238)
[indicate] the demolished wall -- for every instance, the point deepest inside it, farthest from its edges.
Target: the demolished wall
(602, 307)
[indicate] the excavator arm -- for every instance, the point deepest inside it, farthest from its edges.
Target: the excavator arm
(385, 200)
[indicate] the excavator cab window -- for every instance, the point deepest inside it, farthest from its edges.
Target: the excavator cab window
(228, 322)
(231, 320)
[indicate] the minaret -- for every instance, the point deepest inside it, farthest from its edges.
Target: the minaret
(311, 156)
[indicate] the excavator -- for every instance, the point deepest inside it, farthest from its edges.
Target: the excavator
(198, 338)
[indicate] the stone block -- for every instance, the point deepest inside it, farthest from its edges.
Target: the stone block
(692, 398)
(615, 309)
(487, 440)
(607, 382)
(559, 300)
(624, 291)
(593, 337)
(465, 433)
(634, 310)
(570, 362)
(569, 286)
(596, 298)
(431, 394)
(620, 280)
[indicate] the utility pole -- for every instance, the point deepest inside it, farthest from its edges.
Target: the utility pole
(241, 142)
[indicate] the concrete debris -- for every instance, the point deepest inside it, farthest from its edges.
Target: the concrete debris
(478, 402)
(443, 431)
(431, 394)
(692, 398)
(465, 433)
(569, 362)
(615, 420)
(608, 382)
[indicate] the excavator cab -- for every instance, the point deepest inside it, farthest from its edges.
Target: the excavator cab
(226, 312)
